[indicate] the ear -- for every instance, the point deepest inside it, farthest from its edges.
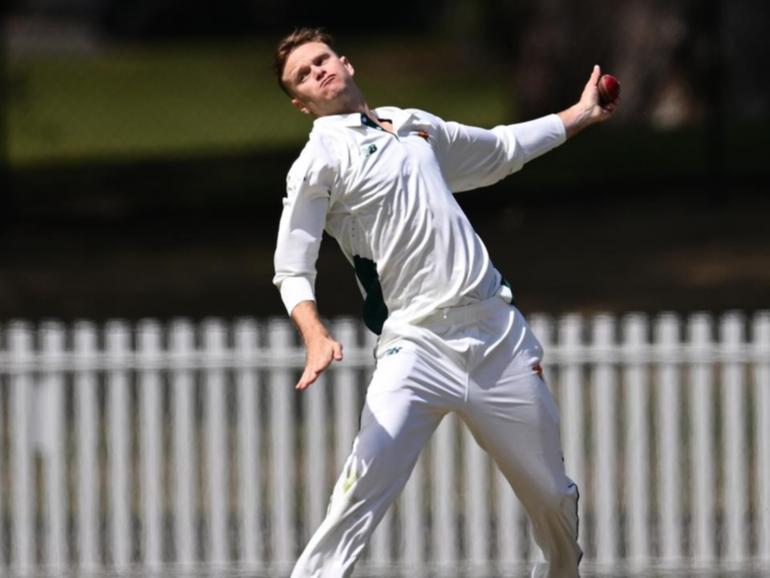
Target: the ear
(299, 105)
(348, 66)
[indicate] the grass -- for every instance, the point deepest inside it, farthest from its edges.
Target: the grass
(181, 100)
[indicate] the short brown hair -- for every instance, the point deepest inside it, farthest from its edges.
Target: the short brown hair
(291, 41)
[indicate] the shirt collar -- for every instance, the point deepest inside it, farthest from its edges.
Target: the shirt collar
(350, 120)
(397, 116)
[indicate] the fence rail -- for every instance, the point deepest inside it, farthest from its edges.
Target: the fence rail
(180, 445)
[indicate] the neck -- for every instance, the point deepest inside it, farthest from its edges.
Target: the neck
(352, 102)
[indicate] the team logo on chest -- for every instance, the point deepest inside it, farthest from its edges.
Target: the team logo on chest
(370, 150)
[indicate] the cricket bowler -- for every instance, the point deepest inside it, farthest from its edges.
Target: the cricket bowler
(381, 181)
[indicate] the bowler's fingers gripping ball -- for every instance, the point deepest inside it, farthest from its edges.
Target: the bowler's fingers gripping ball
(609, 90)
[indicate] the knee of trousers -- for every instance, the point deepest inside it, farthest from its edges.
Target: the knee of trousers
(556, 503)
(376, 465)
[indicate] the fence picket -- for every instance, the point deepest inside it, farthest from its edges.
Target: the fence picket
(761, 349)
(149, 352)
(605, 437)
(734, 439)
(249, 447)
(20, 354)
(181, 347)
(85, 350)
(443, 493)
(118, 349)
(669, 439)
(638, 480)
(701, 402)
(49, 422)
(216, 443)
(282, 438)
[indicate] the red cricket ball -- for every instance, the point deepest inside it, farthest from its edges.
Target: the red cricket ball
(609, 89)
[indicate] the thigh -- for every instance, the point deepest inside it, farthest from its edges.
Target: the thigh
(518, 423)
(405, 401)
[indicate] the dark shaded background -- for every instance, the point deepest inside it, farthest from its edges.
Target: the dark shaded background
(663, 208)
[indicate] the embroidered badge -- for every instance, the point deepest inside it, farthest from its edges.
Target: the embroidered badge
(371, 149)
(392, 351)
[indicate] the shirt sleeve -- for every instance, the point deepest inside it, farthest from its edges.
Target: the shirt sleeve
(308, 191)
(472, 157)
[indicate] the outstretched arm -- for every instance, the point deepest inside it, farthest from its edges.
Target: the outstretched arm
(321, 348)
(472, 157)
(587, 110)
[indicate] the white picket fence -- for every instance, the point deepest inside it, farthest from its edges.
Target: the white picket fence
(152, 447)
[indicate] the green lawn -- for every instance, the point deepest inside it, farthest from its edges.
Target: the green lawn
(171, 101)
(128, 103)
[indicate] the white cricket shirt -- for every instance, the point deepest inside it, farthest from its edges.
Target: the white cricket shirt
(388, 201)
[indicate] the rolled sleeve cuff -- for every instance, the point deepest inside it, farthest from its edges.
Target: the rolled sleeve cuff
(294, 290)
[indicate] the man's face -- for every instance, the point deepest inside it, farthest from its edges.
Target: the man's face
(318, 79)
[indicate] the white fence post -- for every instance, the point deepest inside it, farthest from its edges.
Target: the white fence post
(605, 414)
(216, 444)
(669, 425)
(638, 479)
(761, 350)
(702, 438)
(734, 439)
(249, 447)
(182, 349)
(86, 350)
(151, 440)
(443, 495)
(118, 351)
(20, 354)
(282, 440)
(50, 424)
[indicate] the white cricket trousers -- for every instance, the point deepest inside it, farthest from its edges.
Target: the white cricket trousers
(481, 362)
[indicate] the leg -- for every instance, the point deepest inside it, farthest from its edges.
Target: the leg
(398, 419)
(517, 422)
